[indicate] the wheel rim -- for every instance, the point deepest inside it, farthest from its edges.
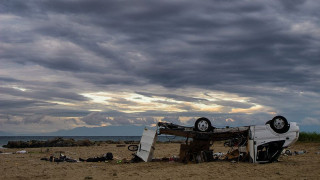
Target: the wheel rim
(203, 125)
(278, 123)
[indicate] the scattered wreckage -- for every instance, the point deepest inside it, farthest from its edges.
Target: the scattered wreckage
(59, 157)
(256, 144)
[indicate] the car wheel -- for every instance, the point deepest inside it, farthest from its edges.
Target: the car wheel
(203, 125)
(279, 124)
(133, 147)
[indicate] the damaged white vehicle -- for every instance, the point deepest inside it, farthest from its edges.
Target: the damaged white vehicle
(256, 144)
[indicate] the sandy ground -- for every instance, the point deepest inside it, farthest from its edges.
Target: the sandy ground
(29, 166)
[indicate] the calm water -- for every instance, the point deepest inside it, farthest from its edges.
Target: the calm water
(4, 139)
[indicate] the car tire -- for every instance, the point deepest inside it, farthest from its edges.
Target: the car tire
(279, 124)
(203, 125)
(133, 147)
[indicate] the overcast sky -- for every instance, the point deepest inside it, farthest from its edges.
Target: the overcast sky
(72, 63)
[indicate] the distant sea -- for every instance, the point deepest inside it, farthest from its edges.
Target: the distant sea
(5, 139)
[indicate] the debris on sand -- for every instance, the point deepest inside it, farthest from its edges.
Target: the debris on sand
(61, 158)
(103, 158)
(22, 152)
(300, 152)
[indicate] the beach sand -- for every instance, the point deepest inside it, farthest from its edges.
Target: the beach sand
(29, 166)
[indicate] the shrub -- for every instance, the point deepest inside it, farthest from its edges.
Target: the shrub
(309, 137)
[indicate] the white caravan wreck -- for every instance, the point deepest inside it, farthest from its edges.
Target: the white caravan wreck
(256, 144)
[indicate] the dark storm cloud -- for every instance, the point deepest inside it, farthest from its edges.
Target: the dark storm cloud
(292, 5)
(66, 64)
(9, 80)
(267, 51)
(36, 118)
(43, 94)
(231, 43)
(109, 79)
(9, 104)
(234, 104)
(61, 84)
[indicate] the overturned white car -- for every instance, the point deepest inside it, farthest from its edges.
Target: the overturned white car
(256, 144)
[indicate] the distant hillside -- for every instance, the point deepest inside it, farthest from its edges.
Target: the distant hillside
(86, 131)
(100, 131)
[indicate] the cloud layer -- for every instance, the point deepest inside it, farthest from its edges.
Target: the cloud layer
(94, 63)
